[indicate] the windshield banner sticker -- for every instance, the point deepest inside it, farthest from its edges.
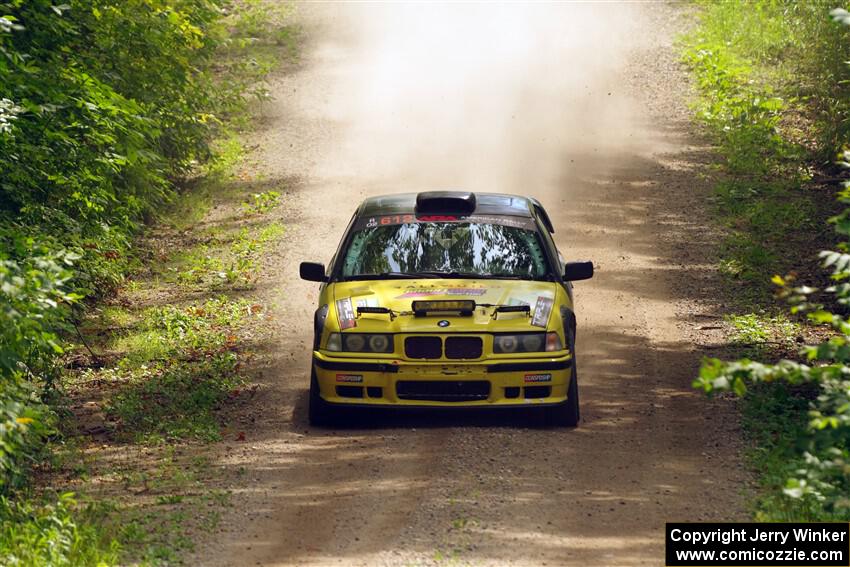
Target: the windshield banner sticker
(345, 314)
(542, 310)
(431, 291)
(526, 223)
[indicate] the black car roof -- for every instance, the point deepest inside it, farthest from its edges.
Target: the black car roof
(486, 203)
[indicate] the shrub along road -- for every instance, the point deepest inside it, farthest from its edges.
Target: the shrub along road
(584, 107)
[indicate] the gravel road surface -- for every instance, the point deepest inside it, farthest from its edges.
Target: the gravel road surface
(584, 107)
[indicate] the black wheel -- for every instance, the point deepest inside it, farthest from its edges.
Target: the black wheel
(567, 414)
(319, 412)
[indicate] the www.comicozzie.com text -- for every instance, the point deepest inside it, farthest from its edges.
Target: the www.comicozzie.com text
(757, 534)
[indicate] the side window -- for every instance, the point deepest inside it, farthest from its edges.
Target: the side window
(549, 242)
(334, 260)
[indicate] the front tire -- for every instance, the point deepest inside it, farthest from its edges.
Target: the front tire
(567, 414)
(319, 412)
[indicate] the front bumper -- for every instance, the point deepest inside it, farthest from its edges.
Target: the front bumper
(520, 382)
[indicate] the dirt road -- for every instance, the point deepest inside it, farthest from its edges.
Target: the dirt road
(582, 106)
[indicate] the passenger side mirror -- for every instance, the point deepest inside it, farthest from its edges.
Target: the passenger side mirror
(313, 272)
(574, 271)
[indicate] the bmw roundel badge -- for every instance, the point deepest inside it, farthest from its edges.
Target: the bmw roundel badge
(443, 323)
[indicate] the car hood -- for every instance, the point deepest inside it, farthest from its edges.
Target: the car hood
(398, 295)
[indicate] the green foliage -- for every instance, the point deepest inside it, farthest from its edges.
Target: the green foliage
(774, 420)
(106, 109)
(49, 532)
(823, 477)
(102, 105)
(33, 301)
(24, 425)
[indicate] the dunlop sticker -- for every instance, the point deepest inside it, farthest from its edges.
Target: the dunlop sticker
(350, 378)
(538, 377)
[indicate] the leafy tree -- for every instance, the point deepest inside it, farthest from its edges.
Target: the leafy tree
(104, 105)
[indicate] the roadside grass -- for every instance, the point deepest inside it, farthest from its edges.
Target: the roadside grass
(180, 365)
(752, 108)
(196, 198)
(746, 61)
(225, 259)
(172, 501)
(760, 332)
(144, 507)
(159, 367)
(167, 369)
(169, 364)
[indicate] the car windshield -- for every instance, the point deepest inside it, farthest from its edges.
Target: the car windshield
(450, 249)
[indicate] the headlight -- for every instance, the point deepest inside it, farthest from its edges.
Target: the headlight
(532, 343)
(505, 343)
(360, 342)
(526, 342)
(354, 342)
(379, 343)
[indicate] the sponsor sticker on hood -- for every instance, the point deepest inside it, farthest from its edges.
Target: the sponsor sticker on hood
(431, 291)
(367, 302)
(542, 311)
(345, 314)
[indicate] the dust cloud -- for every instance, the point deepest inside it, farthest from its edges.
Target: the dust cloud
(485, 97)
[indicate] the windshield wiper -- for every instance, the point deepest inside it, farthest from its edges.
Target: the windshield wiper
(390, 276)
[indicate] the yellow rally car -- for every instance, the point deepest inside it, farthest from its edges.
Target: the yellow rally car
(446, 299)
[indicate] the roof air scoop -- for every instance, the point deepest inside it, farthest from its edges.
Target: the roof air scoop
(456, 202)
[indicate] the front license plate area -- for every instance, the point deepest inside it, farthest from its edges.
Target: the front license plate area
(444, 370)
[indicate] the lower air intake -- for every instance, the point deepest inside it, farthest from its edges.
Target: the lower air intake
(443, 391)
(534, 392)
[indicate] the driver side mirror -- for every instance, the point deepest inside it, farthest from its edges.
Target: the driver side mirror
(574, 271)
(313, 272)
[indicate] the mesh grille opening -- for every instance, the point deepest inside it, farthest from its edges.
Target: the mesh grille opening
(423, 347)
(464, 347)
